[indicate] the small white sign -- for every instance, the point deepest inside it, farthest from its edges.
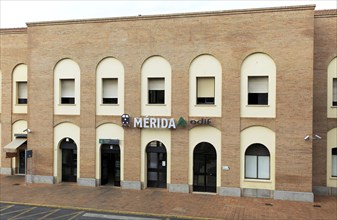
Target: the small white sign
(225, 168)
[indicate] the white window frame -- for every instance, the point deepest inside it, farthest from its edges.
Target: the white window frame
(205, 96)
(109, 91)
(70, 97)
(22, 92)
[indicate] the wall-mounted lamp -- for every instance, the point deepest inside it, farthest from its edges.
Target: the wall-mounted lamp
(316, 137)
(27, 130)
(306, 138)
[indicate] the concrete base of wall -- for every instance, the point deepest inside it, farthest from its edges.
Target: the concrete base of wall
(40, 179)
(180, 188)
(86, 182)
(260, 193)
(5, 171)
(229, 191)
(324, 190)
(294, 196)
(131, 185)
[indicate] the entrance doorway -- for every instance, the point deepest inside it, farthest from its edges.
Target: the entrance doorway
(69, 160)
(22, 161)
(204, 168)
(156, 164)
(110, 164)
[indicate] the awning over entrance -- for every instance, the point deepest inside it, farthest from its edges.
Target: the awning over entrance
(17, 142)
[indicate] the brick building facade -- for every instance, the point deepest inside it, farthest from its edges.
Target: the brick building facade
(238, 103)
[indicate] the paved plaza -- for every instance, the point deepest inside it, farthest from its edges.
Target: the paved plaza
(159, 202)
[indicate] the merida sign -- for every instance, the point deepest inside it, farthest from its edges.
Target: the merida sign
(154, 123)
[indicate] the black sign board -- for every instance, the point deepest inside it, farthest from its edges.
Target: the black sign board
(29, 153)
(109, 141)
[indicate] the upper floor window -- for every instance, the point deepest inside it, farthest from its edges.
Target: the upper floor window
(110, 90)
(67, 91)
(155, 87)
(205, 87)
(22, 92)
(334, 162)
(332, 89)
(258, 86)
(334, 92)
(19, 89)
(156, 90)
(205, 90)
(257, 162)
(257, 90)
(67, 88)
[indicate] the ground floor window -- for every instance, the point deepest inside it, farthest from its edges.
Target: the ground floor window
(257, 162)
(204, 168)
(334, 162)
(156, 164)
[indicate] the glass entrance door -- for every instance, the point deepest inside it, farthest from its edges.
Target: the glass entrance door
(22, 162)
(69, 165)
(69, 160)
(156, 165)
(110, 165)
(204, 168)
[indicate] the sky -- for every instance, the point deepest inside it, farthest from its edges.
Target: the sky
(16, 13)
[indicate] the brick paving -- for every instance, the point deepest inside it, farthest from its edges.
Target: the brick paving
(161, 202)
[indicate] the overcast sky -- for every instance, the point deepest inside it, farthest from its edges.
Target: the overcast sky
(15, 13)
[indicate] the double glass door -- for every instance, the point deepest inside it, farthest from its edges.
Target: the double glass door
(110, 165)
(156, 165)
(204, 168)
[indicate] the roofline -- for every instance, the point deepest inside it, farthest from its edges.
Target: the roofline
(13, 30)
(175, 15)
(326, 13)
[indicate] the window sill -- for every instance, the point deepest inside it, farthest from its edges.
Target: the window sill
(333, 178)
(156, 105)
(257, 106)
(20, 104)
(257, 180)
(109, 105)
(205, 105)
(333, 106)
(66, 104)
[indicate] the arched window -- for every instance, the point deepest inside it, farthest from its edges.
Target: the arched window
(334, 162)
(110, 87)
(156, 87)
(257, 162)
(20, 98)
(67, 88)
(205, 86)
(258, 86)
(332, 89)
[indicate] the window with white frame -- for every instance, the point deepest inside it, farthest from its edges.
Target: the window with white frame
(110, 90)
(257, 162)
(334, 162)
(67, 91)
(257, 90)
(334, 92)
(205, 90)
(22, 92)
(156, 88)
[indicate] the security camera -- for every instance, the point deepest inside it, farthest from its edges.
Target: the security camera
(307, 137)
(27, 130)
